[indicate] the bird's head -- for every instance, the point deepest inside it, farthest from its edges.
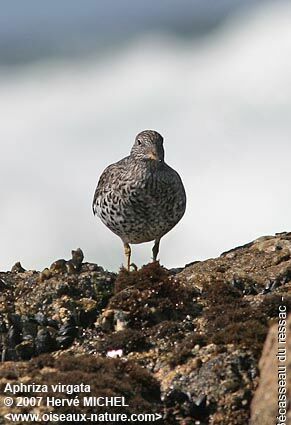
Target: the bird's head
(148, 145)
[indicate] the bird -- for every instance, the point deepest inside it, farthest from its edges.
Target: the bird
(140, 198)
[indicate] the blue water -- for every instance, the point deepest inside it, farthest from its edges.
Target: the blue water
(34, 30)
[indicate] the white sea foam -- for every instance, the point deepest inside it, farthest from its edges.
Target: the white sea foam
(223, 105)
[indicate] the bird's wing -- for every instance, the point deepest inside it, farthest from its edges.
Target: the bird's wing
(102, 184)
(108, 180)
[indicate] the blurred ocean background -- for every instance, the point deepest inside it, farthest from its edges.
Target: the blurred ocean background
(78, 80)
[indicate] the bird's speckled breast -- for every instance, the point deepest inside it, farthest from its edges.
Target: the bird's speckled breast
(141, 201)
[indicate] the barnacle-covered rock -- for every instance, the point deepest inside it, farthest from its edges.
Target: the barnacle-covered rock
(43, 311)
(195, 333)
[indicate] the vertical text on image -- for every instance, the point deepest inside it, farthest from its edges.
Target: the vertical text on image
(282, 367)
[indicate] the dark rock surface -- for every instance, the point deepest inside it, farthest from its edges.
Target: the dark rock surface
(189, 339)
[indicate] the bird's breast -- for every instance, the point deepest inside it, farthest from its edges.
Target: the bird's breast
(143, 203)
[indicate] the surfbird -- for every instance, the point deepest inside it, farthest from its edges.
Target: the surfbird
(140, 198)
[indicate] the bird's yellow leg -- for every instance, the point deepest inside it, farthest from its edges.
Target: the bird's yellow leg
(156, 249)
(127, 252)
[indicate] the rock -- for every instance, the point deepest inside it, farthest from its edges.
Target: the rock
(3, 285)
(44, 342)
(17, 268)
(58, 266)
(13, 336)
(29, 327)
(106, 320)
(87, 311)
(77, 258)
(111, 319)
(25, 350)
(45, 274)
(175, 396)
(193, 335)
(264, 407)
(223, 377)
(9, 354)
(67, 333)
(41, 318)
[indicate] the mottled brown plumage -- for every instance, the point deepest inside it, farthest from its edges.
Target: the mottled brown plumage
(140, 198)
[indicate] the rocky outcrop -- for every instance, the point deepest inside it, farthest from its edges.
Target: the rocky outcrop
(189, 340)
(271, 402)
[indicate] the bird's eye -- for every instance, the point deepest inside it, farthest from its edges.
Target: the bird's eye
(138, 142)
